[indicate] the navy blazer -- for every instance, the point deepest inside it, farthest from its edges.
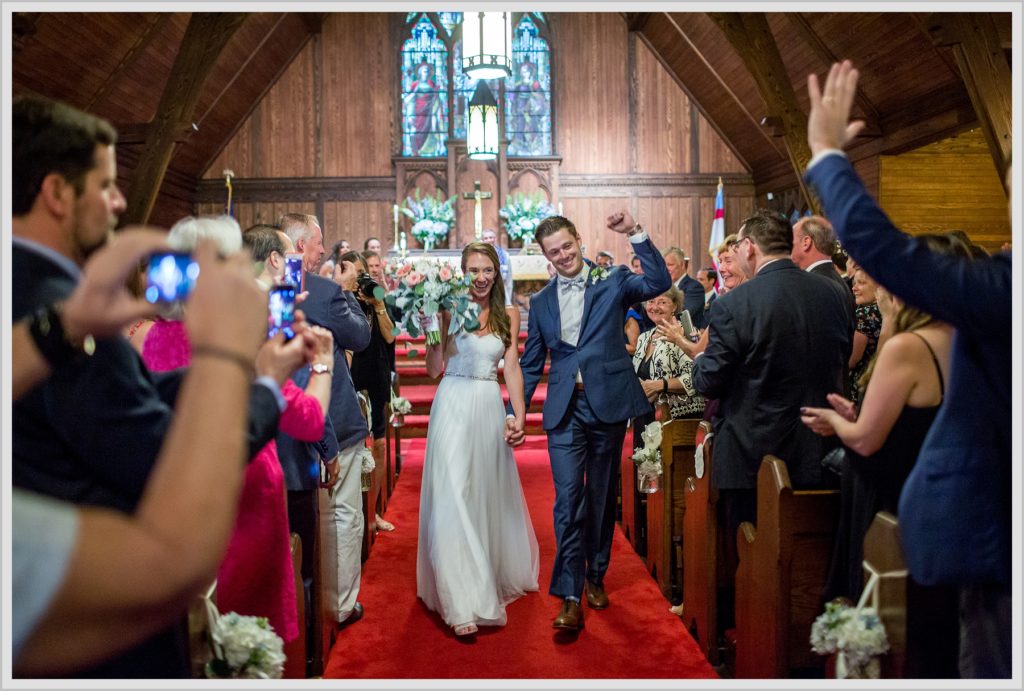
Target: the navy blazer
(338, 310)
(777, 342)
(693, 298)
(613, 390)
(955, 507)
(300, 460)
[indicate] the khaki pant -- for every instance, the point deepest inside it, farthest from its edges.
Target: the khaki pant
(341, 530)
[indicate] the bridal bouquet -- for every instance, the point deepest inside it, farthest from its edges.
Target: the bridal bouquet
(648, 459)
(245, 648)
(427, 287)
(855, 634)
(432, 217)
(523, 212)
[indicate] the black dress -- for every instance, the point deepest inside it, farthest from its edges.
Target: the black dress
(872, 484)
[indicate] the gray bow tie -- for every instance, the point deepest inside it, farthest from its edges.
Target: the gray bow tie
(566, 284)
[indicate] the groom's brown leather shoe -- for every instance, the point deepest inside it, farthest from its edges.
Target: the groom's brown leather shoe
(597, 598)
(571, 616)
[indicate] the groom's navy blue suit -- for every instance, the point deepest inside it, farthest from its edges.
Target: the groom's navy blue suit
(586, 425)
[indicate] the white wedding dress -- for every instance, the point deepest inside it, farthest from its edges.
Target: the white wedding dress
(477, 548)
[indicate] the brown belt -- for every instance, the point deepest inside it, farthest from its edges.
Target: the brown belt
(579, 386)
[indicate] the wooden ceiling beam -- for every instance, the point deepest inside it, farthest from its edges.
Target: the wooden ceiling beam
(752, 39)
(977, 48)
(23, 27)
(205, 37)
(635, 21)
(135, 133)
(153, 29)
(813, 40)
(714, 73)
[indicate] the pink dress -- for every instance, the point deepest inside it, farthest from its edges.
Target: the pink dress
(255, 578)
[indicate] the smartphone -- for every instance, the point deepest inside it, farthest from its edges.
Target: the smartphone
(282, 311)
(170, 277)
(293, 272)
(686, 322)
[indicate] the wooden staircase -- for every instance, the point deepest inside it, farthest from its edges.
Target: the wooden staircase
(420, 389)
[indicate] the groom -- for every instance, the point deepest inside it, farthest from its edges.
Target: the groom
(592, 392)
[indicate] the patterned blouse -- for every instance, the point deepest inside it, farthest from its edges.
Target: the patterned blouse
(668, 361)
(869, 323)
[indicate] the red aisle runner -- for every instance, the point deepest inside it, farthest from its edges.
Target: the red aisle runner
(398, 638)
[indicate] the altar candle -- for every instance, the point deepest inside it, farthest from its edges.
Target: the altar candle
(560, 209)
(394, 208)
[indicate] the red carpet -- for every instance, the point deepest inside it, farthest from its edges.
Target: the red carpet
(398, 638)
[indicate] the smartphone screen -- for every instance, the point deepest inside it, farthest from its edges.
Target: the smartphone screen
(293, 270)
(282, 311)
(170, 277)
(686, 322)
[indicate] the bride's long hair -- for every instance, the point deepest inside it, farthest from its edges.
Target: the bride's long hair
(497, 320)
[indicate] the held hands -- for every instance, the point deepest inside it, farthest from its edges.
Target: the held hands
(515, 430)
(846, 408)
(828, 125)
(621, 222)
(819, 420)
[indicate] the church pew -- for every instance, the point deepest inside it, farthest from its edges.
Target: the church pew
(667, 506)
(783, 564)
(295, 651)
(371, 494)
(700, 574)
(920, 623)
(633, 504)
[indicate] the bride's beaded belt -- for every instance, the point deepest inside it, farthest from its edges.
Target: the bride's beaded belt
(492, 377)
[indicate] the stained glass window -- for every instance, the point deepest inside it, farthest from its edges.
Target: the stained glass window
(450, 20)
(424, 91)
(528, 93)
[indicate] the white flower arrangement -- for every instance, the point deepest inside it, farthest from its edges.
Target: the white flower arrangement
(524, 212)
(648, 458)
(400, 405)
(366, 462)
(432, 216)
(599, 273)
(245, 648)
(427, 287)
(857, 636)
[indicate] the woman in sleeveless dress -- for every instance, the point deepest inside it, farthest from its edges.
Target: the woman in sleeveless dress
(477, 549)
(903, 387)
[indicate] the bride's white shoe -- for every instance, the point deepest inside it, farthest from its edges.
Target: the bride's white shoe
(465, 629)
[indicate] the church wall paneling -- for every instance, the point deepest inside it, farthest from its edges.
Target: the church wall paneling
(662, 116)
(591, 92)
(356, 221)
(949, 185)
(250, 213)
(715, 155)
(360, 73)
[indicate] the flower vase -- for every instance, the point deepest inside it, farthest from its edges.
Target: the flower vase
(647, 483)
(365, 481)
(397, 420)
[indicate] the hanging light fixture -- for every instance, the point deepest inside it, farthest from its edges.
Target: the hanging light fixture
(482, 125)
(487, 44)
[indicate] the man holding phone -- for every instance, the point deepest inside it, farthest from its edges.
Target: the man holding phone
(334, 306)
(65, 204)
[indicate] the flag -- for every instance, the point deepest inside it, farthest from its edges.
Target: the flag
(717, 228)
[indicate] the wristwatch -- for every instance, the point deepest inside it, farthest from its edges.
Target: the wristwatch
(637, 229)
(321, 368)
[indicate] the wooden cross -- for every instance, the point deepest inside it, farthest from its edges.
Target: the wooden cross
(478, 215)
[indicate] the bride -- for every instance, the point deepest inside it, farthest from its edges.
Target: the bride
(477, 549)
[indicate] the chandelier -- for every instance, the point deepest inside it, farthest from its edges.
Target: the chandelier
(487, 44)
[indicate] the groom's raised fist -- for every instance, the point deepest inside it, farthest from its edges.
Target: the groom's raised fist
(621, 222)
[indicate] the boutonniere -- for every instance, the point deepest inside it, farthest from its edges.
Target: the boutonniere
(598, 274)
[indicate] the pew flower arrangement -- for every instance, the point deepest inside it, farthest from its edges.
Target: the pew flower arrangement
(855, 634)
(366, 465)
(424, 289)
(400, 407)
(648, 459)
(523, 212)
(245, 648)
(432, 217)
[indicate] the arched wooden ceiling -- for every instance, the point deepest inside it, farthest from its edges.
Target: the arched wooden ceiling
(912, 91)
